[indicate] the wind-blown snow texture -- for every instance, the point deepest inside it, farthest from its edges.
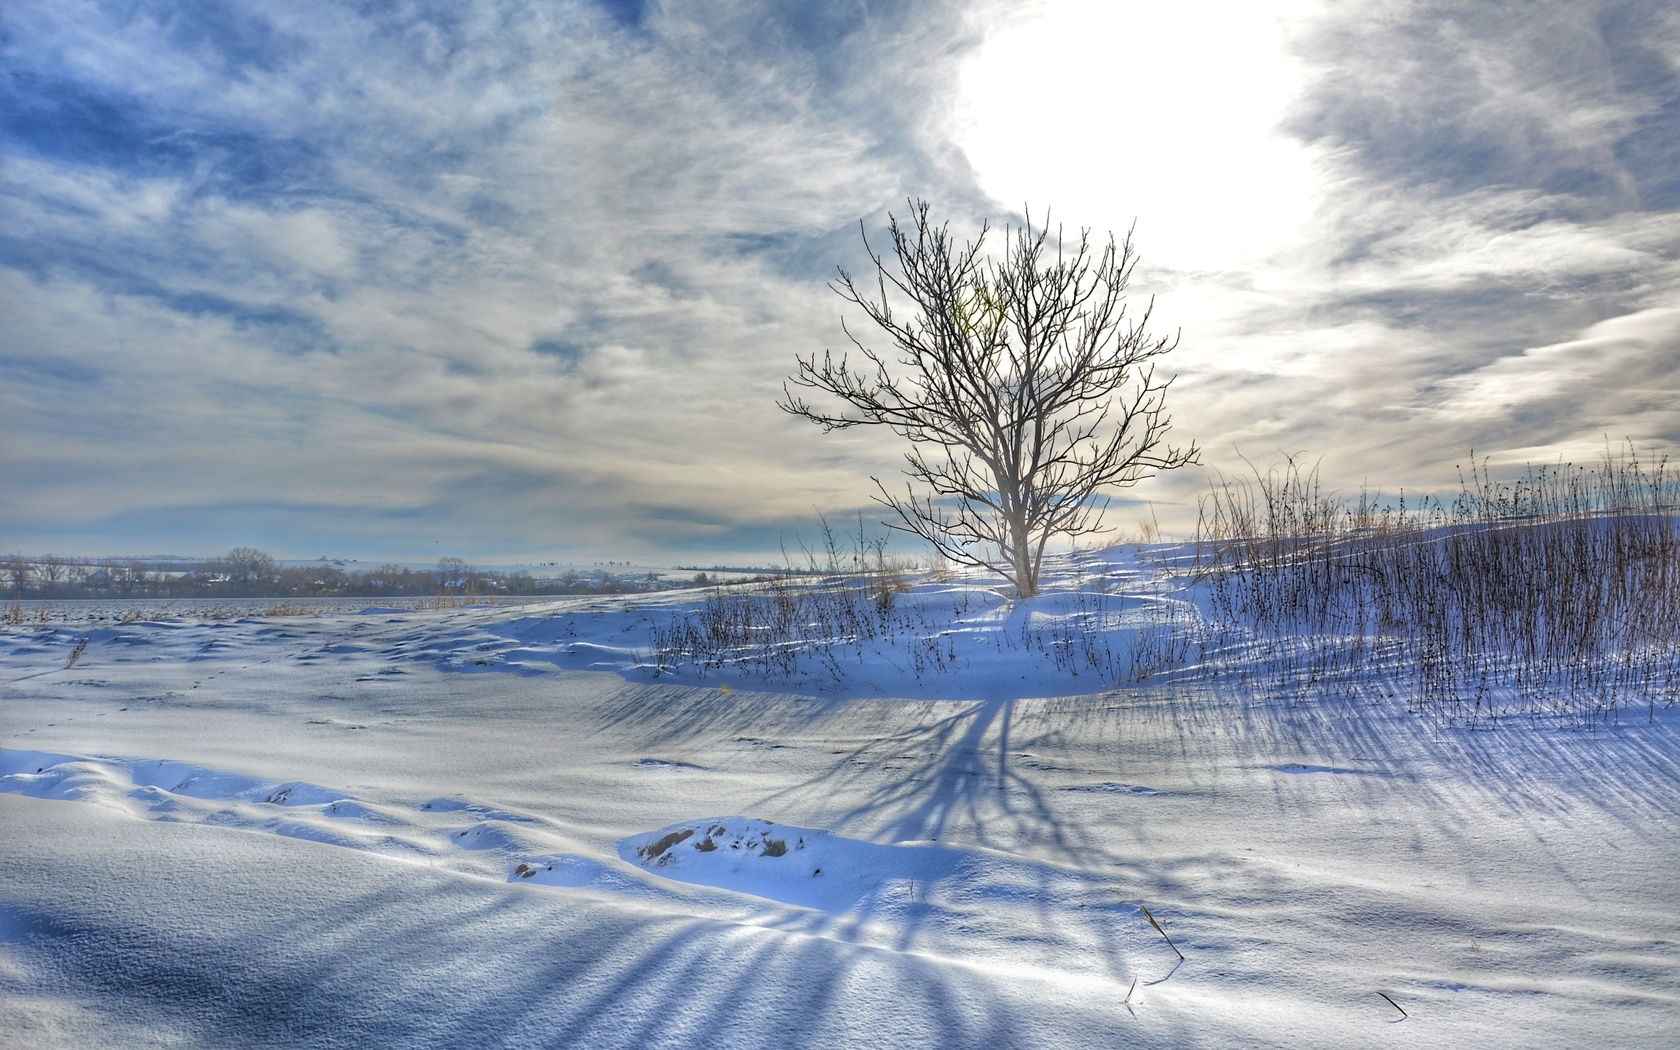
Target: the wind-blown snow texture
(351, 830)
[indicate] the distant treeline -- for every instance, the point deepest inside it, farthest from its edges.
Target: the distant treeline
(249, 573)
(764, 571)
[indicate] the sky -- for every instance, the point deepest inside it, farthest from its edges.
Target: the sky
(520, 280)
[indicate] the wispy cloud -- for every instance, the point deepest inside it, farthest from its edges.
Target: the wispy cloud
(549, 256)
(1493, 249)
(520, 278)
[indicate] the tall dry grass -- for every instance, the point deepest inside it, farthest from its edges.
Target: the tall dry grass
(805, 626)
(1557, 593)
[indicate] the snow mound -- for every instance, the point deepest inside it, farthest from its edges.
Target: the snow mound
(808, 867)
(571, 871)
(741, 837)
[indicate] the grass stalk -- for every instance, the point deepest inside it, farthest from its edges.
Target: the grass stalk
(1159, 930)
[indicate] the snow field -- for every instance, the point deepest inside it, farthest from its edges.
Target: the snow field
(452, 828)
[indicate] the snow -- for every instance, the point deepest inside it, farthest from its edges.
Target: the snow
(515, 825)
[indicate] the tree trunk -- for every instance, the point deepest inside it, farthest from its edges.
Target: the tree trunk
(1026, 578)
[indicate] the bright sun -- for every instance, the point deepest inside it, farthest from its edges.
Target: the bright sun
(1166, 113)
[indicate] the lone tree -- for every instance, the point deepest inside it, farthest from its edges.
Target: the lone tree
(456, 574)
(1022, 386)
(249, 565)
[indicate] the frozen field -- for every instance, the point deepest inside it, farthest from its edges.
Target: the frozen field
(499, 826)
(91, 611)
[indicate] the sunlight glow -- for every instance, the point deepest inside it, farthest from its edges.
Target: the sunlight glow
(1166, 113)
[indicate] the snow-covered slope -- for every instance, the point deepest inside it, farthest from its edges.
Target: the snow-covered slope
(501, 827)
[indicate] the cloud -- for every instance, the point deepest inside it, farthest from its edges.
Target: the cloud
(524, 277)
(1492, 249)
(557, 255)
(1620, 379)
(1576, 101)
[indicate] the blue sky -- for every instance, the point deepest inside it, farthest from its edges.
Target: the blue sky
(520, 280)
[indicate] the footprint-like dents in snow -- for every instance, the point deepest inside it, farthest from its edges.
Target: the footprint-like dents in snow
(571, 871)
(473, 809)
(350, 809)
(180, 778)
(335, 722)
(716, 861)
(445, 805)
(873, 891)
(178, 792)
(1109, 787)
(325, 833)
(487, 835)
(665, 765)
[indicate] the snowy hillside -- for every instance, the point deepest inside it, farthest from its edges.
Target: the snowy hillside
(941, 819)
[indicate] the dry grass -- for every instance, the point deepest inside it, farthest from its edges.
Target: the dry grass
(659, 852)
(823, 627)
(786, 628)
(1555, 594)
(811, 625)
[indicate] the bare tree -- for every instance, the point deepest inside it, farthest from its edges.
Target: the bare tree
(1022, 386)
(19, 572)
(53, 571)
(454, 574)
(250, 566)
(77, 572)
